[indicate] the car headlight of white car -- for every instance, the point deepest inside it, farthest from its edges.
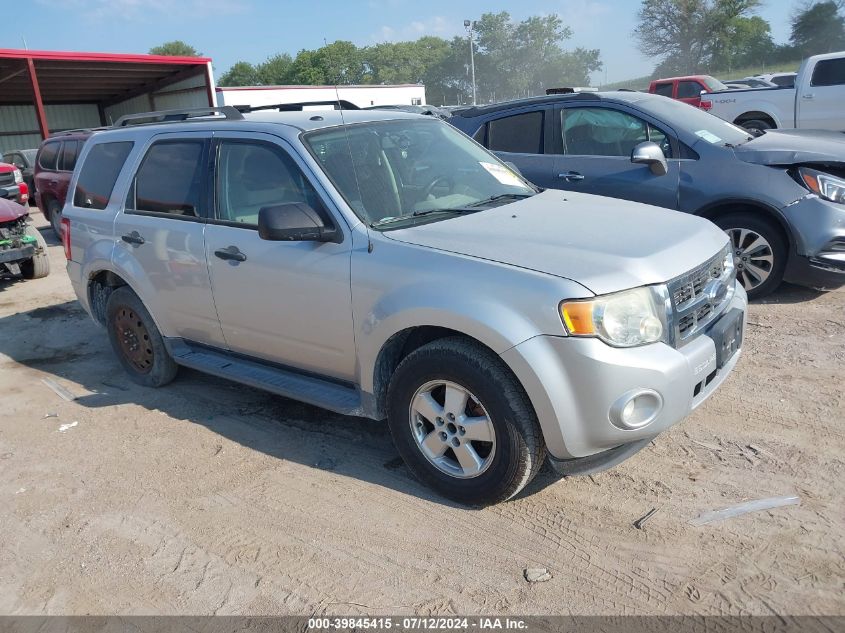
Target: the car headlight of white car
(622, 319)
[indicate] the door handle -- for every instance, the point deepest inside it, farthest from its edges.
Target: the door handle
(133, 238)
(809, 95)
(230, 253)
(571, 176)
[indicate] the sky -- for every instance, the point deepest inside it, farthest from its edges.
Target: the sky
(252, 30)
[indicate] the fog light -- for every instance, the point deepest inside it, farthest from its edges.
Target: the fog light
(635, 409)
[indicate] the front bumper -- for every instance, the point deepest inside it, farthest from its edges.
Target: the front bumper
(17, 254)
(818, 259)
(574, 384)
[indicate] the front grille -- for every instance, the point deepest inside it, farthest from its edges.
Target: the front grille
(7, 178)
(696, 300)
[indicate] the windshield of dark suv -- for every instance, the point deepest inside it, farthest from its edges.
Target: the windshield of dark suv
(412, 170)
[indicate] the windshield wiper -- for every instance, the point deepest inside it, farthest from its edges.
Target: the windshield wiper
(501, 196)
(419, 214)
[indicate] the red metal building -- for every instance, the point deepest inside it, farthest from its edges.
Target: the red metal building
(42, 92)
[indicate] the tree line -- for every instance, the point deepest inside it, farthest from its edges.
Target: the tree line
(689, 36)
(518, 59)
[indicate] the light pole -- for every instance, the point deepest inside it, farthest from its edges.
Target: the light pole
(468, 24)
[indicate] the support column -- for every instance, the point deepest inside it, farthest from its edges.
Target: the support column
(39, 105)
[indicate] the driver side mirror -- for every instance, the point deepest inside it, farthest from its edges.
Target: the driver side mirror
(650, 154)
(294, 222)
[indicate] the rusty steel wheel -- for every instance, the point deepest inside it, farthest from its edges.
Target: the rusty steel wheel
(133, 339)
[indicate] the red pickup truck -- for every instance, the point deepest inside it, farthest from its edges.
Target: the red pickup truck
(687, 89)
(11, 181)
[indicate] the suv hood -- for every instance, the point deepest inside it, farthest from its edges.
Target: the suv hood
(793, 147)
(11, 210)
(602, 243)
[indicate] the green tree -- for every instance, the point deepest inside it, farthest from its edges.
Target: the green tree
(686, 35)
(275, 71)
(176, 48)
(241, 74)
(818, 28)
(746, 42)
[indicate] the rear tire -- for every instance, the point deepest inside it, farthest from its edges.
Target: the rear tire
(54, 211)
(136, 340)
(462, 422)
(763, 247)
(39, 265)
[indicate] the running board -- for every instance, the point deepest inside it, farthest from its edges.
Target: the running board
(322, 393)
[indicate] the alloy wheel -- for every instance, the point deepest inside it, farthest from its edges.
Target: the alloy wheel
(753, 257)
(452, 429)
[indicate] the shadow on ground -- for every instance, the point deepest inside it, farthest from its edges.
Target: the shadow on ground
(61, 340)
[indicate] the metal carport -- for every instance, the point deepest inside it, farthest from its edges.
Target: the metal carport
(43, 92)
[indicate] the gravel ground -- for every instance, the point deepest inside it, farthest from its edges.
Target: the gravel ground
(208, 497)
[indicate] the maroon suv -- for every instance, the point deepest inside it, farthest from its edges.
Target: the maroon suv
(53, 169)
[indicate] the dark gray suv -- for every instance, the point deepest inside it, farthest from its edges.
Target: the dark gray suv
(780, 197)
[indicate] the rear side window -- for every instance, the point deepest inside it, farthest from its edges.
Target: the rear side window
(520, 134)
(48, 155)
(829, 72)
(99, 173)
(689, 89)
(663, 89)
(70, 150)
(170, 180)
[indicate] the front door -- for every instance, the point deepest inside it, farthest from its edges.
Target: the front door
(596, 144)
(286, 302)
(160, 237)
(820, 105)
(520, 138)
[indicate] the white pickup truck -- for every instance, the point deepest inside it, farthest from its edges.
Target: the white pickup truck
(817, 102)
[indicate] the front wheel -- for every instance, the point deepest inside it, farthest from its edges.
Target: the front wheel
(136, 340)
(759, 249)
(463, 423)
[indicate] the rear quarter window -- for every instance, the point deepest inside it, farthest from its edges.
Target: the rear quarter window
(829, 72)
(99, 173)
(48, 155)
(663, 89)
(70, 151)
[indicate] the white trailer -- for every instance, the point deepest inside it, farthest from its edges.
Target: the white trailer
(362, 96)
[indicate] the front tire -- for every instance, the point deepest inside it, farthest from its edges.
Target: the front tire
(136, 340)
(462, 422)
(760, 252)
(39, 265)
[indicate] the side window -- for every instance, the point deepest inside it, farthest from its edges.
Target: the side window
(829, 72)
(520, 133)
(99, 173)
(253, 175)
(689, 89)
(663, 89)
(48, 155)
(15, 159)
(70, 150)
(170, 180)
(658, 136)
(601, 132)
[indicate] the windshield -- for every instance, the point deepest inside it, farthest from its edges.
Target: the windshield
(705, 126)
(713, 84)
(29, 155)
(412, 170)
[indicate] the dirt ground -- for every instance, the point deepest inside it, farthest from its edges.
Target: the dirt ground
(208, 497)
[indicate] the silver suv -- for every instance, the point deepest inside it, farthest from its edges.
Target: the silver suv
(383, 264)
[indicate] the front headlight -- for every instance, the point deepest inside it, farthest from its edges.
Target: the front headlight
(824, 185)
(18, 176)
(623, 319)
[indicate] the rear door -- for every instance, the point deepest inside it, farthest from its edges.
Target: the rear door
(520, 137)
(286, 302)
(820, 101)
(46, 179)
(689, 91)
(595, 144)
(160, 236)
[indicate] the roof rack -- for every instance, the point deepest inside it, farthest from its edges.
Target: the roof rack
(81, 130)
(296, 107)
(173, 116)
